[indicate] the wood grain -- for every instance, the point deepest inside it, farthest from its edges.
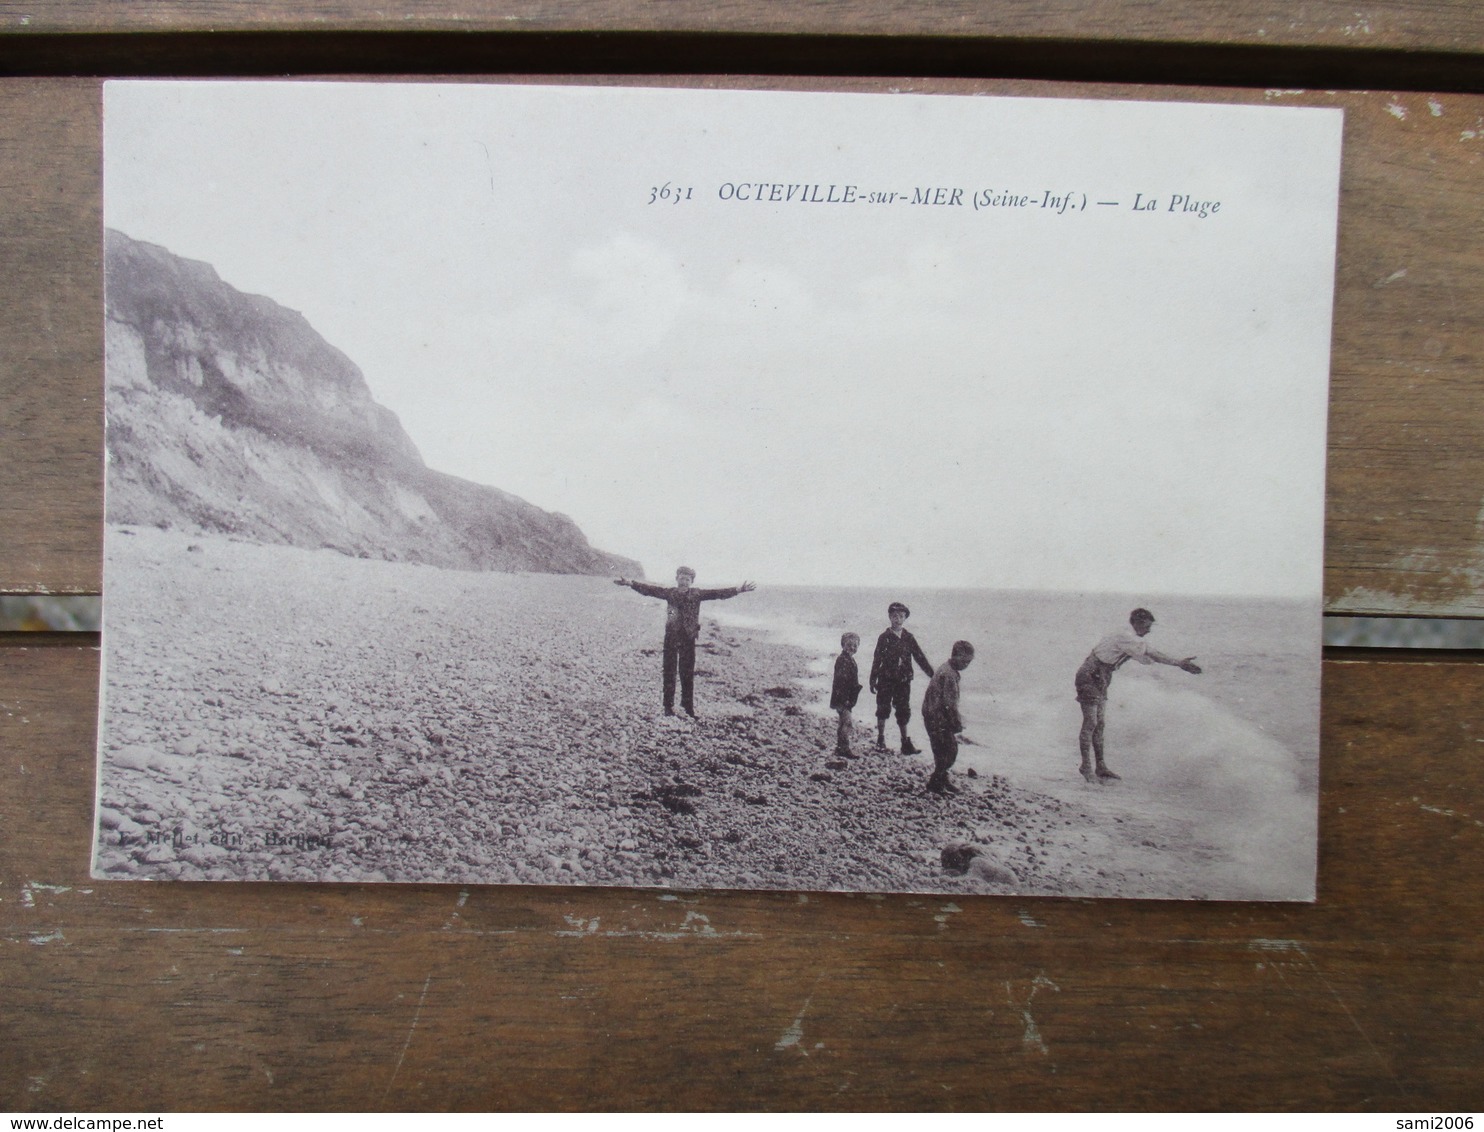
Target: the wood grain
(1405, 530)
(51, 337)
(1406, 476)
(157, 996)
(1455, 26)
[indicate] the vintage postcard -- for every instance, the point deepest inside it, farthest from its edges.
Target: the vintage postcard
(713, 489)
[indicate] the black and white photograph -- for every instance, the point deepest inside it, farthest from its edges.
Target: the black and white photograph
(713, 489)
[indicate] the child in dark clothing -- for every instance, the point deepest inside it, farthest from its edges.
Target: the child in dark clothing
(846, 691)
(940, 716)
(682, 627)
(891, 675)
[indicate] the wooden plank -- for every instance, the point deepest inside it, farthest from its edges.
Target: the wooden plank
(1404, 528)
(156, 996)
(1456, 26)
(401, 51)
(51, 336)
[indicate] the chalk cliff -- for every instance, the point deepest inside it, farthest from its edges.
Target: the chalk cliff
(228, 412)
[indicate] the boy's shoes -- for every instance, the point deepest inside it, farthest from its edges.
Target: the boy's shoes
(949, 787)
(844, 753)
(908, 748)
(880, 743)
(669, 711)
(1105, 773)
(690, 711)
(1087, 774)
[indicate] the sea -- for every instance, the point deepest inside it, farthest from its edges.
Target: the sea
(1225, 764)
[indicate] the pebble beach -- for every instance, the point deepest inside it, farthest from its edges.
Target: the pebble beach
(273, 713)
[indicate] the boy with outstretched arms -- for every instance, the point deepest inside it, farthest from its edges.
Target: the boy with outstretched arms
(845, 692)
(891, 675)
(940, 716)
(682, 627)
(1106, 658)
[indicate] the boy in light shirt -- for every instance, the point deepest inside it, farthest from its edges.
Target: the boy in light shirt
(1107, 656)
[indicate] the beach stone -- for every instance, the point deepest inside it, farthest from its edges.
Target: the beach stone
(158, 854)
(203, 856)
(956, 856)
(991, 872)
(129, 830)
(675, 803)
(131, 758)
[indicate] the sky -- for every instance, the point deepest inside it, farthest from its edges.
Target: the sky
(1098, 398)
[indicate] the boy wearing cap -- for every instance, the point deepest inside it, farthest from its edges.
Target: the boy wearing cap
(940, 716)
(682, 627)
(845, 692)
(1106, 658)
(891, 675)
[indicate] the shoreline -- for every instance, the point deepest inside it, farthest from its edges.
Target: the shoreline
(391, 722)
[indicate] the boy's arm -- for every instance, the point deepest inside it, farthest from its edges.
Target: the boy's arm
(731, 591)
(645, 588)
(876, 661)
(918, 656)
(950, 705)
(1134, 648)
(852, 682)
(1188, 664)
(843, 680)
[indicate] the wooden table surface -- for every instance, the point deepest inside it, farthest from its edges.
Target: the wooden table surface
(131, 996)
